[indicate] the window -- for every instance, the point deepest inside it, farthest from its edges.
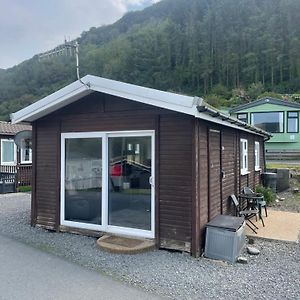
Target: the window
(292, 121)
(256, 155)
(26, 152)
(244, 156)
(268, 121)
(243, 117)
(8, 153)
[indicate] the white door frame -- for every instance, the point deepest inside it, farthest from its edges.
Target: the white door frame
(105, 227)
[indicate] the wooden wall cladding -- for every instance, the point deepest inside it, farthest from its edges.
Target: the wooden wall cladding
(175, 181)
(46, 172)
(232, 181)
(203, 178)
(214, 173)
(229, 168)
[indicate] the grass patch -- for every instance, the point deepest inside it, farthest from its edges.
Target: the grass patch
(24, 189)
(137, 191)
(283, 166)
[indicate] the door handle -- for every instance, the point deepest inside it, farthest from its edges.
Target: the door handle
(151, 180)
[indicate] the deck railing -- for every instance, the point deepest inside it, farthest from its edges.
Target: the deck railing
(8, 169)
(23, 173)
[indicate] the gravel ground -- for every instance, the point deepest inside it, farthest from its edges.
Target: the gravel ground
(274, 274)
(291, 201)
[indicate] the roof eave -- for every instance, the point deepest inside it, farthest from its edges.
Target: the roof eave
(76, 90)
(210, 114)
(49, 104)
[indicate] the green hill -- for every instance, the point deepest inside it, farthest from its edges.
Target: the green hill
(216, 48)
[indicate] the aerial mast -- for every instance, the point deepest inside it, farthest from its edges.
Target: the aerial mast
(69, 49)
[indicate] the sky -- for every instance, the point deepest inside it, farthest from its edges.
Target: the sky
(29, 27)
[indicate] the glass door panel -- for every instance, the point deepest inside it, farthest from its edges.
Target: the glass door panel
(129, 195)
(83, 180)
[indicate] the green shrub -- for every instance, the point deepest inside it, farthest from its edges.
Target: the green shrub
(24, 189)
(269, 195)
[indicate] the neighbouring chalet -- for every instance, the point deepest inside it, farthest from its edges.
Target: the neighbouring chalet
(128, 160)
(14, 159)
(280, 117)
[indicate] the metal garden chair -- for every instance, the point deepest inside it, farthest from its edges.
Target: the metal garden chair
(247, 213)
(258, 197)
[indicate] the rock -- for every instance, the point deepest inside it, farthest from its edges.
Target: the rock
(276, 200)
(295, 190)
(252, 250)
(242, 260)
(250, 241)
(281, 199)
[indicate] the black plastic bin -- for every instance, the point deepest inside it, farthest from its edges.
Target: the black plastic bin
(283, 179)
(269, 180)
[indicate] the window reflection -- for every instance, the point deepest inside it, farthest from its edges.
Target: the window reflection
(129, 189)
(83, 180)
(243, 117)
(268, 121)
(26, 152)
(292, 124)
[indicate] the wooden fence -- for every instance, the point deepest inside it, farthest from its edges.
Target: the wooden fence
(24, 174)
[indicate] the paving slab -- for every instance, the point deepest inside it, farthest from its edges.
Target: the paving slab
(279, 225)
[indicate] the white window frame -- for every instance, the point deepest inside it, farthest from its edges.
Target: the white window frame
(11, 163)
(23, 161)
(105, 227)
(244, 156)
(257, 156)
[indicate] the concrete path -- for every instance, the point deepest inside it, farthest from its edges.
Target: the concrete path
(28, 273)
(279, 225)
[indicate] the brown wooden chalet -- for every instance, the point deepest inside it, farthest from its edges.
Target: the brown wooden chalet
(129, 160)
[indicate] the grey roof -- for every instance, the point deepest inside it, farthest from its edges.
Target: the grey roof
(7, 128)
(263, 101)
(193, 106)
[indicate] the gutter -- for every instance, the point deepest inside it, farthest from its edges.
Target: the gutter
(217, 114)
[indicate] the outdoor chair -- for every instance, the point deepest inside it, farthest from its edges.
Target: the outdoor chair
(247, 214)
(258, 197)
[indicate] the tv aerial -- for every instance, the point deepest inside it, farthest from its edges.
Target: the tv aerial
(68, 49)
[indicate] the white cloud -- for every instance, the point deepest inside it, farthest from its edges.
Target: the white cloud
(33, 26)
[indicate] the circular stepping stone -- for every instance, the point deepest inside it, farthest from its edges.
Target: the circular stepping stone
(124, 245)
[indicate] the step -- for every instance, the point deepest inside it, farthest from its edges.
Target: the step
(124, 245)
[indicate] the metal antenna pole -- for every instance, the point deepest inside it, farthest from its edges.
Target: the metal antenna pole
(76, 45)
(60, 50)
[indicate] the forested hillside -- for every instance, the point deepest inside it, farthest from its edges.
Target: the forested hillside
(229, 51)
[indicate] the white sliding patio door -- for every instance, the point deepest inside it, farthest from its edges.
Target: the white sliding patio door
(107, 182)
(82, 180)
